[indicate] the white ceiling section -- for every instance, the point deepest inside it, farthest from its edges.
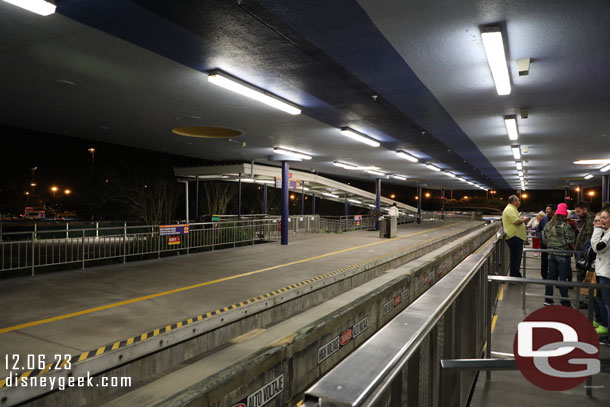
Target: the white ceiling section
(60, 76)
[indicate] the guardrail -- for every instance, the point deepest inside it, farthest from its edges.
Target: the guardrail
(400, 364)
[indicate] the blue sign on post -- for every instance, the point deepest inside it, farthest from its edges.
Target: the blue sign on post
(168, 230)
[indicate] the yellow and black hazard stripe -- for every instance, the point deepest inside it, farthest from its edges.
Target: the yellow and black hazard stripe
(155, 332)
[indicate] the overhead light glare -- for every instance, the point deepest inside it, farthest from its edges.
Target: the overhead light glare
(606, 168)
(496, 57)
(407, 156)
(588, 176)
(283, 150)
(237, 86)
(516, 152)
(511, 127)
(330, 195)
(40, 7)
(593, 162)
(363, 138)
(432, 167)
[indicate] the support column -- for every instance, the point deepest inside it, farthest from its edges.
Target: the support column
(418, 204)
(285, 198)
(579, 195)
(239, 198)
(197, 201)
(302, 199)
(313, 203)
(186, 184)
(264, 199)
(605, 179)
(443, 203)
(346, 207)
(377, 202)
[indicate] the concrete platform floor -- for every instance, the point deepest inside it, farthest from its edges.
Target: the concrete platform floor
(73, 312)
(510, 388)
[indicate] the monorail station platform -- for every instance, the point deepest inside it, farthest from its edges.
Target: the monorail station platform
(107, 316)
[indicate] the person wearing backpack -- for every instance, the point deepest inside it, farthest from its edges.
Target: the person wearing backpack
(559, 235)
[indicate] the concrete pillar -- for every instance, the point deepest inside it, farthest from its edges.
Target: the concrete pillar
(443, 203)
(239, 197)
(265, 199)
(418, 204)
(605, 185)
(377, 202)
(313, 203)
(285, 201)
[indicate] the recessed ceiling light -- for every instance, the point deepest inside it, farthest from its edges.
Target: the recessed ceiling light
(407, 156)
(286, 151)
(496, 57)
(40, 7)
(511, 127)
(238, 86)
(363, 138)
(593, 162)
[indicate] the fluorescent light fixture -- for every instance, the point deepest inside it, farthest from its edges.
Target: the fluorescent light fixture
(450, 174)
(520, 173)
(283, 150)
(329, 194)
(375, 172)
(41, 7)
(363, 138)
(516, 152)
(593, 162)
(496, 57)
(519, 165)
(347, 166)
(264, 181)
(407, 156)
(248, 180)
(588, 176)
(211, 176)
(354, 201)
(224, 80)
(400, 177)
(511, 127)
(305, 189)
(432, 167)
(606, 168)
(372, 206)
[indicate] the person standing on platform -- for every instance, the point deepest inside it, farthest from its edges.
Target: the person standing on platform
(514, 229)
(600, 242)
(585, 232)
(544, 258)
(393, 212)
(559, 235)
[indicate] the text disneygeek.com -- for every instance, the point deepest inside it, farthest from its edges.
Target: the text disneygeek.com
(62, 382)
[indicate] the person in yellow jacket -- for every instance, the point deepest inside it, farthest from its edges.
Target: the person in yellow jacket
(514, 229)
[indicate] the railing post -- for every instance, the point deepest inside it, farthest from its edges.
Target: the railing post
(591, 294)
(97, 229)
(489, 319)
(33, 251)
(83, 259)
(35, 230)
(158, 242)
(67, 230)
(124, 242)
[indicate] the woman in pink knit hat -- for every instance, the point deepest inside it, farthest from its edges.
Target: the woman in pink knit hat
(559, 235)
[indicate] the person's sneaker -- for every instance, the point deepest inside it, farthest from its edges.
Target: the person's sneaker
(601, 331)
(547, 303)
(595, 324)
(604, 340)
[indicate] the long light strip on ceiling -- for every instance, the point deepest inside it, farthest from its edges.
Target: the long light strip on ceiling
(519, 165)
(400, 177)
(511, 127)
(588, 176)
(516, 152)
(606, 168)
(40, 7)
(407, 156)
(496, 57)
(329, 194)
(264, 181)
(363, 138)
(373, 172)
(432, 167)
(354, 201)
(347, 166)
(452, 175)
(593, 162)
(283, 150)
(235, 85)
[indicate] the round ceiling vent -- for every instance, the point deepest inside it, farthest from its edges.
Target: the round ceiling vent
(206, 132)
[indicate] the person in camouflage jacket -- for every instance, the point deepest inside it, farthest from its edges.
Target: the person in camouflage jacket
(586, 224)
(559, 235)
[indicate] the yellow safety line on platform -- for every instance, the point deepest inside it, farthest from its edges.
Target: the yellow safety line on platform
(220, 280)
(501, 293)
(493, 323)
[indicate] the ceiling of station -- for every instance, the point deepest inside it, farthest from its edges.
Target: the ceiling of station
(414, 77)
